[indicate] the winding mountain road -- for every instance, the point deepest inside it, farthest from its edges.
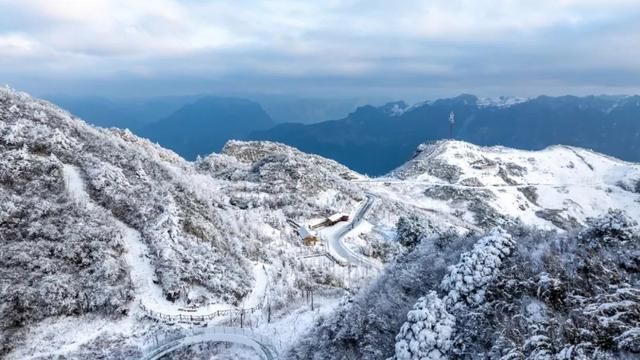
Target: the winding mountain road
(336, 246)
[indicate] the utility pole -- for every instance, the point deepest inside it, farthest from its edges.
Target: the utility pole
(452, 120)
(311, 300)
(269, 313)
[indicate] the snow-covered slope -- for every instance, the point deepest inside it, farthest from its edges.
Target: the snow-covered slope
(94, 221)
(503, 293)
(558, 187)
(102, 230)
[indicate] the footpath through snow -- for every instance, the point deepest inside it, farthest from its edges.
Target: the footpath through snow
(259, 292)
(148, 293)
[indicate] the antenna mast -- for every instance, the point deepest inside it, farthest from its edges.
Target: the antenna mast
(452, 120)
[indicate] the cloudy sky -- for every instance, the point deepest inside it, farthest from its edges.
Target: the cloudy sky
(398, 49)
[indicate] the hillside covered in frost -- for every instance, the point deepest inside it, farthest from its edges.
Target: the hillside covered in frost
(521, 294)
(540, 261)
(108, 242)
(201, 225)
(558, 187)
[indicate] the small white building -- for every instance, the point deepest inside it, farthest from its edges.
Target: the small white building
(331, 220)
(336, 218)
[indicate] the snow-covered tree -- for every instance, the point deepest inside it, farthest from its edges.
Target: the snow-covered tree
(428, 331)
(616, 225)
(411, 229)
(367, 328)
(466, 281)
(561, 296)
(65, 259)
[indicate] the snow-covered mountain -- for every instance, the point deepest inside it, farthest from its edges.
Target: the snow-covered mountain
(559, 186)
(114, 247)
(549, 267)
(501, 101)
(375, 140)
(78, 201)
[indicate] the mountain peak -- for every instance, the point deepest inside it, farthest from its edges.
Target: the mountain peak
(460, 100)
(501, 101)
(204, 126)
(395, 108)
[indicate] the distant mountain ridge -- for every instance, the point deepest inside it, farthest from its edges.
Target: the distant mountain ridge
(122, 113)
(375, 140)
(206, 125)
(133, 113)
(229, 118)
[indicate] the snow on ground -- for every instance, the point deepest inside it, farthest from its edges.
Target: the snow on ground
(260, 288)
(577, 182)
(326, 198)
(70, 333)
(58, 336)
(75, 186)
(281, 333)
(330, 235)
(286, 329)
(142, 272)
(501, 101)
(334, 236)
(353, 238)
(219, 334)
(412, 193)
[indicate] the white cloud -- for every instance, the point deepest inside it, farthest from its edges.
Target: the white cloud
(16, 45)
(371, 40)
(121, 28)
